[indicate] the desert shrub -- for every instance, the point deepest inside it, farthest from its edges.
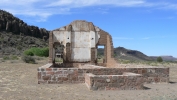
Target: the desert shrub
(28, 52)
(42, 52)
(14, 57)
(19, 47)
(154, 64)
(28, 59)
(1, 39)
(36, 51)
(148, 63)
(6, 58)
(126, 61)
(38, 58)
(159, 59)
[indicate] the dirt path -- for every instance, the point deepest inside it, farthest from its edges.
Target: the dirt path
(18, 81)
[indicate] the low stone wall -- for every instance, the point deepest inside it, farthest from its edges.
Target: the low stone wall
(128, 81)
(47, 74)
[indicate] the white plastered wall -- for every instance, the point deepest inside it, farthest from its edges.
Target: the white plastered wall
(81, 43)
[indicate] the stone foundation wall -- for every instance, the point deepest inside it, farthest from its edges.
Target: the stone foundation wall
(114, 82)
(77, 75)
(60, 75)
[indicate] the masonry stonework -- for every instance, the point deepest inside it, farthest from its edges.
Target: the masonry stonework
(77, 45)
(127, 81)
(49, 74)
(83, 38)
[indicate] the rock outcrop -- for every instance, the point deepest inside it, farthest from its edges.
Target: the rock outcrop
(13, 24)
(16, 36)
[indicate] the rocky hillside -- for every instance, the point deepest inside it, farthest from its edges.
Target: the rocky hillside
(134, 55)
(12, 44)
(9, 23)
(16, 35)
(123, 53)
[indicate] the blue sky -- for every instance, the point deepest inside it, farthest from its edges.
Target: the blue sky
(149, 26)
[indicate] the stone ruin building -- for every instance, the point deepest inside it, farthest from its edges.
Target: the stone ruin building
(76, 44)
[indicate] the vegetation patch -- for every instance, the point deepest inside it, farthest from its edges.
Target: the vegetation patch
(11, 57)
(42, 52)
(28, 59)
(159, 59)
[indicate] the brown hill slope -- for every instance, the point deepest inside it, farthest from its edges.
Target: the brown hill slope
(134, 55)
(126, 54)
(122, 53)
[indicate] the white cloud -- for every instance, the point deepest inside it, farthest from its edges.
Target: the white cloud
(167, 5)
(32, 8)
(42, 9)
(83, 3)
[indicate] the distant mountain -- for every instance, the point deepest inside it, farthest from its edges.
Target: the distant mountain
(165, 58)
(126, 54)
(16, 36)
(122, 53)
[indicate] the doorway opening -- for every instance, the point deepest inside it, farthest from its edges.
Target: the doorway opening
(100, 53)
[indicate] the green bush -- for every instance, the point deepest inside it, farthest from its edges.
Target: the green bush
(28, 52)
(28, 59)
(159, 59)
(42, 52)
(45, 52)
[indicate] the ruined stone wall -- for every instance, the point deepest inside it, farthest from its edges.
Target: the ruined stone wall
(51, 47)
(77, 75)
(106, 40)
(103, 41)
(114, 82)
(111, 62)
(93, 55)
(83, 38)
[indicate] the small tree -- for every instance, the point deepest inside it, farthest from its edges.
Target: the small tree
(159, 59)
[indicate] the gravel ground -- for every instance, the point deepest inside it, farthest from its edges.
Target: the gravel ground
(18, 81)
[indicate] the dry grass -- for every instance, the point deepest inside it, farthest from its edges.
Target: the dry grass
(18, 81)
